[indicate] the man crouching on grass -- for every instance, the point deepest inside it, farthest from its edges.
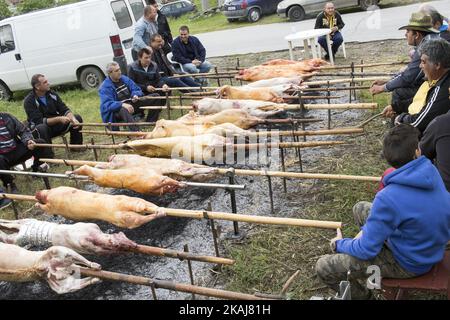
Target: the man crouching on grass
(405, 231)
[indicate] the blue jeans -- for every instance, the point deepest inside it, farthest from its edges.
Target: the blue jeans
(192, 68)
(337, 41)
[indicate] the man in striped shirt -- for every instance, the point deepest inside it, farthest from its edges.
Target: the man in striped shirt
(17, 146)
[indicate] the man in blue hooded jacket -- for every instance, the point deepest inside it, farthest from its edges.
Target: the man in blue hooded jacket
(119, 97)
(405, 231)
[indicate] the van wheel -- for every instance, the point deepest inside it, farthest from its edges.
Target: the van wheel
(254, 15)
(91, 78)
(296, 13)
(5, 93)
(365, 4)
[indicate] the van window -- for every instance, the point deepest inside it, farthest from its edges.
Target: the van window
(121, 13)
(6, 39)
(138, 9)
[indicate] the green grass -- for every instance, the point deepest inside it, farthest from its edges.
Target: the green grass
(217, 21)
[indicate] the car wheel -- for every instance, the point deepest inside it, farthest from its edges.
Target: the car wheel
(296, 13)
(91, 78)
(230, 20)
(5, 93)
(254, 15)
(365, 4)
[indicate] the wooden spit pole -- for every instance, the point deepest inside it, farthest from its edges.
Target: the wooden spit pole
(126, 146)
(199, 214)
(300, 133)
(262, 121)
(169, 285)
(242, 172)
(324, 106)
(155, 283)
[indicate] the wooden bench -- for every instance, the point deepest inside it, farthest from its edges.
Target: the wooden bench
(436, 280)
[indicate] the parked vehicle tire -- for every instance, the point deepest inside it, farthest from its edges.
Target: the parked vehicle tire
(296, 13)
(230, 20)
(91, 78)
(254, 15)
(5, 93)
(365, 4)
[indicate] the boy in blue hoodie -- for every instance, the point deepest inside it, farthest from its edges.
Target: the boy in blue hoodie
(405, 231)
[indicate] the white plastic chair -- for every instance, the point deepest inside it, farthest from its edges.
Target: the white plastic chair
(174, 63)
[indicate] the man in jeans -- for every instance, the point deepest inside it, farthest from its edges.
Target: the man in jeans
(119, 97)
(144, 72)
(405, 230)
(189, 51)
(165, 67)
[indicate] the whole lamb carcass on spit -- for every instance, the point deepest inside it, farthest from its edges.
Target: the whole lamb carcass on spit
(78, 205)
(242, 93)
(239, 118)
(276, 83)
(260, 109)
(200, 148)
(56, 265)
(84, 238)
(173, 128)
(174, 168)
(145, 181)
(282, 68)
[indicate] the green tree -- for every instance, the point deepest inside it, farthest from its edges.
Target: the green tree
(31, 5)
(4, 10)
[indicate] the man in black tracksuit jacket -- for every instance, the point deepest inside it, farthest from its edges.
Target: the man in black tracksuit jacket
(145, 73)
(436, 66)
(45, 107)
(163, 28)
(435, 145)
(17, 146)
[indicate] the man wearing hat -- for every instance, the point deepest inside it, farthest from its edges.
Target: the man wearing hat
(405, 85)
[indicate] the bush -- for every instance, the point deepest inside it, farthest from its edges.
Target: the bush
(4, 10)
(31, 5)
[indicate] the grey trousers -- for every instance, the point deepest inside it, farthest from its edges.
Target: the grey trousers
(333, 268)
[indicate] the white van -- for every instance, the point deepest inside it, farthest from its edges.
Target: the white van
(67, 44)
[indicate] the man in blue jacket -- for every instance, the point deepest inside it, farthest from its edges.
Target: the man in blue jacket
(189, 51)
(405, 231)
(119, 97)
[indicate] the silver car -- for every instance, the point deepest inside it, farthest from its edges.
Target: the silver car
(296, 10)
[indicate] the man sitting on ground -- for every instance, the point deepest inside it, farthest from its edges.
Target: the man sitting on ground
(17, 146)
(119, 96)
(405, 230)
(49, 114)
(189, 51)
(405, 85)
(166, 68)
(329, 18)
(145, 74)
(431, 100)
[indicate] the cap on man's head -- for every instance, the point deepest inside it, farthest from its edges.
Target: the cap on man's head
(420, 21)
